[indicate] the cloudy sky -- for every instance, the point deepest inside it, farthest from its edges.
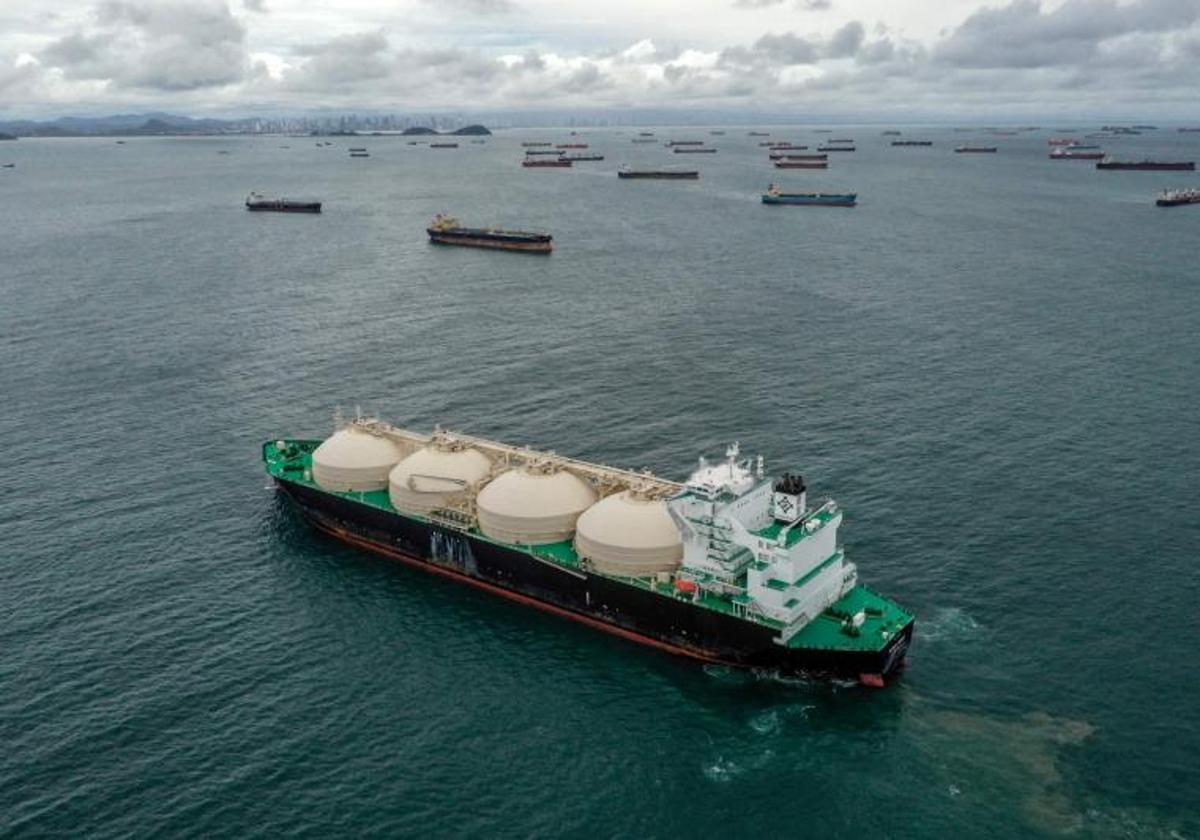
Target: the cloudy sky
(852, 57)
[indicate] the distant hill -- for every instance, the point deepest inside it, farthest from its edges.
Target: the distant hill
(120, 124)
(465, 131)
(4, 136)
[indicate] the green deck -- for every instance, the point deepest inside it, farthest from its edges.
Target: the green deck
(826, 632)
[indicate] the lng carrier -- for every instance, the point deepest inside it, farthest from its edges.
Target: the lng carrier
(730, 566)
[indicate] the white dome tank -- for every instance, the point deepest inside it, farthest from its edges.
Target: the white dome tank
(625, 534)
(354, 460)
(430, 477)
(531, 506)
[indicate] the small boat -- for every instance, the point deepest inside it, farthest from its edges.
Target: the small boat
(8, 166)
(1174, 198)
(1148, 165)
(694, 150)
(660, 174)
(545, 163)
(801, 164)
(579, 158)
(912, 142)
(443, 145)
(645, 134)
(120, 142)
(445, 230)
(835, 148)
(357, 148)
(259, 202)
(976, 150)
(773, 195)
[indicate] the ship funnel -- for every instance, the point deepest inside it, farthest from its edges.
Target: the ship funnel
(789, 498)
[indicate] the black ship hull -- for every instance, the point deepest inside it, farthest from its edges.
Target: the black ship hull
(284, 206)
(624, 610)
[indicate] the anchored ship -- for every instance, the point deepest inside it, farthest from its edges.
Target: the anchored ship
(975, 150)
(259, 202)
(660, 174)
(801, 164)
(445, 230)
(774, 195)
(1174, 198)
(797, 156)
(1077, 151)
(912, 142)
(694, 150)
(1147, 165)
(730, 566)
(531, 163)
(835, 148)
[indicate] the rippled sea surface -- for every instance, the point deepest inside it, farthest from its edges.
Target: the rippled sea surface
(992, 363)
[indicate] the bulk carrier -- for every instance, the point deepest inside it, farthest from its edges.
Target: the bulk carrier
(730, 566)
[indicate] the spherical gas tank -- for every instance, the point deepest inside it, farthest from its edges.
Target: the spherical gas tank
(354, 460)
(430, 477)
(626, 534)
(531, 506)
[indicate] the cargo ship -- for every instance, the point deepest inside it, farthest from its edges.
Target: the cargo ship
(774, 195)
(694, 150)
(730, 566)
(798, 156)
(571, 146)
(1174, 198)
(758, 134)
(445, 230)
(1077, 152)
(543, 163)
(671, 143)
(578, 158)
(660, 174)
(801, 164)
(534, 144)
(785, 147)
(1148, 165)
(835, 148)
(912, 142)
(975, 150)
(643, 140)
(535, 152)
(259, 202)
(443, 145)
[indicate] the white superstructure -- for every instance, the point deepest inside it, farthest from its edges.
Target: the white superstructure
(756, 539)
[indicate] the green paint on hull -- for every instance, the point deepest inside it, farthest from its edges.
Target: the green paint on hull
(832, 630)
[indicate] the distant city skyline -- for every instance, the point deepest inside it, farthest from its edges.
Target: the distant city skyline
(856, 59)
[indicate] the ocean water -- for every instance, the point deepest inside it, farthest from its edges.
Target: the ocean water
(992, 363)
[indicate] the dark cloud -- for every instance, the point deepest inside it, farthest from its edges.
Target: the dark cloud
(846, 42)
(169, 46)
(1023, 35)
